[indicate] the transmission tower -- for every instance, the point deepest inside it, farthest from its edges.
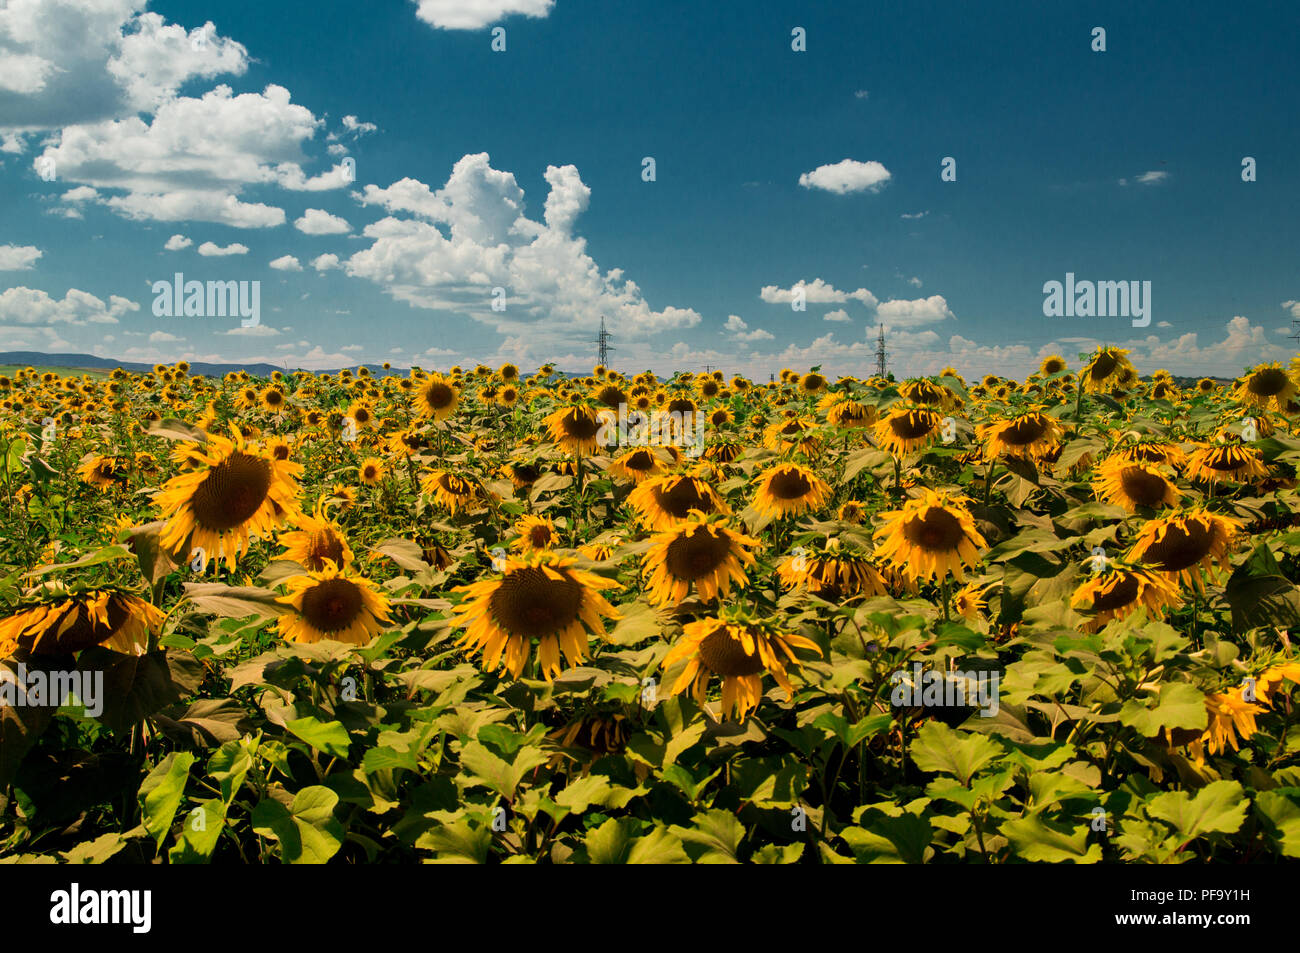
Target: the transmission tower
(603, 347)
(1295, 326)
(881, 355)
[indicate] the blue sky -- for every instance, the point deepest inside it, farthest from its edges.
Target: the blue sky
(219, 129)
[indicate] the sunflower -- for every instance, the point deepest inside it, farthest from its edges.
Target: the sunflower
(1120, 591)
(1207, 385)
(437, 397)
(789, 489)
(1186, 544)
(926, 392)
(1229, 715)
(1267, 386)
(536, 533)
(739, 650)
(331, 604)
(971, 601)
(1108, 367)
(1146, 450)
(784, 434)
(521, 474)
(62, 622)
(371, 471)
(699, 551)
(1272, 680)
(637, 465)
(843, 411)
(664, 501)
(1052, 364)
(906, 429)
(852, 511)
(812, 383)
(1129, 484)
(544, 598)
(317, 542)
(1225, 461)
(104, 472)
(1031, 435)
(575, 429)
(931, 536)
(833, 571)
(232, 492)
(451, 492)
(273, 400)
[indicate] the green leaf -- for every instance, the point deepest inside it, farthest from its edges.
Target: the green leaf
(1219, 807)
(329, 737)
(229, 765)
(200, 832)
(959, 753)
(306, 831)
(496, 772)
(890, 840)
(1177, 705)
(718, 832)
(1041, 841)
(161, 791)
(1281, 818)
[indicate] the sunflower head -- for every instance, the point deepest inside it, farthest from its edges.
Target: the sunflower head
(1131, 484)
(1185, 545)
(543, 598)
(331, 604)
(317, 542)
(700, 551)
(933, 535)
(1119, 591)
(907, 429)
(663, 501)
(60, 622)
(536, 533)
(437, 397)
(789, 489)
(575, 429)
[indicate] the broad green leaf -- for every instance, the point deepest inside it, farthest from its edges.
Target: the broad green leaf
(327, 736)
(959, 753)
(1036, 839)
(161, 792)
(1219, 807)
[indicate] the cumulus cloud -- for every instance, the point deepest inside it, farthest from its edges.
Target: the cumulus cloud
(317, 221)
(286, 263)
(177, 242)
(739, 330)
(816, 291)
(908, 216)
(848, 175)
(195, 156)
(476, 14)
(325, 262)
(212, 250)
(18, 257)
(447, 249)
(839, 314)
(901, 313)
(31, 306)
(1148, 178)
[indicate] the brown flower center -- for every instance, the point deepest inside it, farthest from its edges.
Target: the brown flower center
(1142, 486)
(936, 531)
(789, 485)
(682, 498)
(529, 604)
(722, 654)
(1119, 595)
(698, 555)
(332, 604)
(913, 424)
(1182, 546)
(232, 492)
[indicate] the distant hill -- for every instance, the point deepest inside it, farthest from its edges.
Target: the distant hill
(77, 362)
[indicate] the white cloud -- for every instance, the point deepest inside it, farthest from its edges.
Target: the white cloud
(352, 348)
(163, 337)
(255, 331)
(846, 176)
(325, 262)
(286, 263)
(30, 306)
(907, 216)
(211, 250)
(476, 14)
(860, 94)
(816, 291)
(1152, 178)
(914, 281)
(352, 124)
(1293, 307)
(909, 314)
(739, 330)
(472, 235)
(82, 193)
(317, 221)
(177, 242)
(156, 59)
(839, 314)
(18, 257)
(191, 161)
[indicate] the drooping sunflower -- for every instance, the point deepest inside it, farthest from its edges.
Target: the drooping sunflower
(906, 429)
(1230, 715)
(843, 411)
(453, 493)
(437, 397)
(637, 465)
(789, 489)
(832, 571)
(1108, 367)
(933, 535)
(574, 429)
(331, 604)
(316, 542)
(543, 597)
(522, 473)
(740, 650)
(1225, 461)
(1149, 450)
(1130, 484)
(1186, 545)
(1267, 386)
(1121, 590)
(59, 622)
(104, 472)
(663, 501)
(1031, 435)
(536, 533)
(233, 491)
(927, 393)
(699, 551)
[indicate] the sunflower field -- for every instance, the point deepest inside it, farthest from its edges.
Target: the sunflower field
(477, 616)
